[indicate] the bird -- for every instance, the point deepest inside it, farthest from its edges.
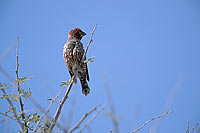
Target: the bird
(73, 53)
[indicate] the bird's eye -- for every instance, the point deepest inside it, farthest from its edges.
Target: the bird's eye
(79, 32)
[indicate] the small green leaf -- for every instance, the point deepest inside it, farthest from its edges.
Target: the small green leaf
(27, 94)
(12, 108)
(65, 82)
(50, 99)
(30, 78)
(5, 96)
(5, 85)
(21, 91)
(90, 60)
(44, 127)
(8, 111)
(34, 117)
(22, 80)
(2, 87)
(15, 97)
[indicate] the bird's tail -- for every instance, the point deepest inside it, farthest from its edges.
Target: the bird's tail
(85, 87)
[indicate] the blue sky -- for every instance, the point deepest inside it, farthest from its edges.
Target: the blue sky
(145, 48)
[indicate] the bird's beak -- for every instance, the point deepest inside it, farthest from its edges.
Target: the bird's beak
(83, 33)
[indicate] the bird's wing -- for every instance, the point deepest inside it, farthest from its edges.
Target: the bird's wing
(68, 56)
(73, 53)
(88, 78)
(84, 64)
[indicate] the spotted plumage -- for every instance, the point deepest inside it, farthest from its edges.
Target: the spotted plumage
(73, 52)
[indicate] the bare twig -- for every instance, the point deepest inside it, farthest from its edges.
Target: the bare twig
(187, 129)
(71, 110)
(92, 118)
(83, 118)
(7, 126)
(89, 129)
(3, 71)
(91, 40)
(194, 127)
(2, 57)
(168, 103)
(2, 120)
(5, 53)
(111, 106)
(18, 86)
(48, 85)
(45, 113)
(111, 131)
(198, 129)
(151, 120)
(61, 105)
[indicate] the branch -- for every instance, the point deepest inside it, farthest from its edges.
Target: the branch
(198, 130)
(47, 115)
(61, 105)
(91, 40)
(92, 118)
(151, 120)
(172, 95)
(83, 118)
(5, 119)
(111, 106)
(3, 71)
(2, 57)
(194, 127)
(18, 86)
(36, 127)
(10, 117)
(111, 131)
(12, 108)
(71, 110)
(187, 129)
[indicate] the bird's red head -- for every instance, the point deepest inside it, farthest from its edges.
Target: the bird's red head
(77, 33)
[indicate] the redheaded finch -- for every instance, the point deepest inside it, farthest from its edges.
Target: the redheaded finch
(73, 52)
